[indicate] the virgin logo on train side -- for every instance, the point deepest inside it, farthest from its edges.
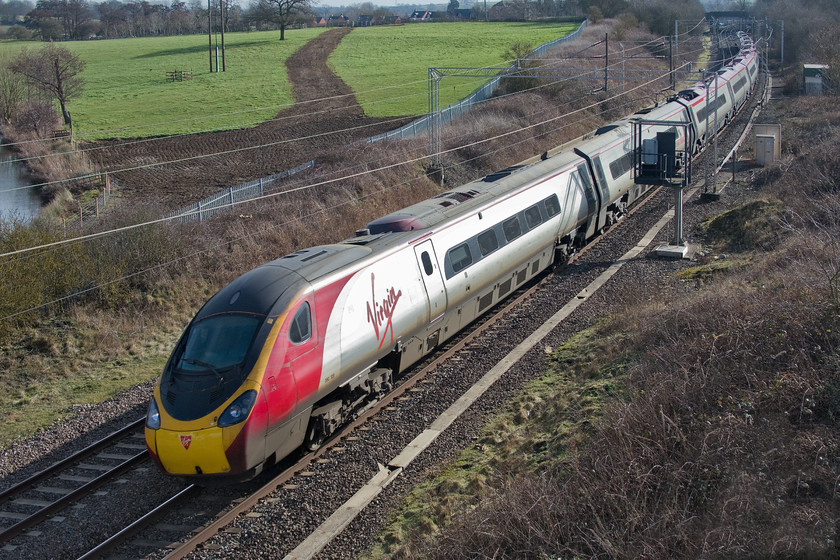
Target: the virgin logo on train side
(186, 441)
(380, 312)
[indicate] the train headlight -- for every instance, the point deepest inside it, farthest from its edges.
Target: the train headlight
(238, 409)
(153, 417)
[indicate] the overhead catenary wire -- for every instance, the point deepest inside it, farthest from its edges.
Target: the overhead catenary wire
(272, 195)
(246, 111)
(305, 187)
(244, 236)
(168, 263)
(258, 146)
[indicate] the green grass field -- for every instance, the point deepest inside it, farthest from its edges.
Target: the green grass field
(387, 67)
(126, 94)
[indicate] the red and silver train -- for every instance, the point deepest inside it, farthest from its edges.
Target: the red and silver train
(287, 352)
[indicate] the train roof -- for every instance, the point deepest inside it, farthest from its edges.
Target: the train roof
(457, 201)
(257, 290)
(315, 262)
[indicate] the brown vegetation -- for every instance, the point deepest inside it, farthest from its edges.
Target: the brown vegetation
(723, 440)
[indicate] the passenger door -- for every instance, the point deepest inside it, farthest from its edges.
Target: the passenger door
(432, 279)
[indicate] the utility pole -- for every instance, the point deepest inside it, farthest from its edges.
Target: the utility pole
(783, 46)
(210, 33)
(677, 40)
(671, 62)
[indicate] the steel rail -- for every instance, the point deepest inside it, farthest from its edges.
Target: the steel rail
(5, 495)
(73, 496)
(123, 535)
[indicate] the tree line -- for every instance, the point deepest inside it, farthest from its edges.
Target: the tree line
(61, 20)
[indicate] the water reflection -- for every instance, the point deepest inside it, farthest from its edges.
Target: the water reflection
(16, 198)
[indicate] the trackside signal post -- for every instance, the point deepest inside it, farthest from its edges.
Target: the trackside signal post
(656, 161)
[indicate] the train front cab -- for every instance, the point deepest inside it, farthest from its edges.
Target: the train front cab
(228, 396)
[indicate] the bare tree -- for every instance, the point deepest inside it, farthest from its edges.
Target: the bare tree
(12, 90)
(53, 70)
(38, 117)
(282, 12)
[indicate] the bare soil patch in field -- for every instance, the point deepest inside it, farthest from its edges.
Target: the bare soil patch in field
(176, 171)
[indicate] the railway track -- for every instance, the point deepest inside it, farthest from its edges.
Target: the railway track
(29, 503)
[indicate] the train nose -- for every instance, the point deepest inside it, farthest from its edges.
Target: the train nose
(192, 452)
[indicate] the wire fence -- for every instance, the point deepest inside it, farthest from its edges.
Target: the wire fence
(483, 93)
(91, 209)
(232, 196)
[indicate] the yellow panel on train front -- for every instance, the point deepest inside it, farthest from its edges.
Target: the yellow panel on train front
(182, 452)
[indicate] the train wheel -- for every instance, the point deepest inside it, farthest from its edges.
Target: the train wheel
(314, 435)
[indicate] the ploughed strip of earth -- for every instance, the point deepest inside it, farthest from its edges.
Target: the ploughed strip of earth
(325, 117)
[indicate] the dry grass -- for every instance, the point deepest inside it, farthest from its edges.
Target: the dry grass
(725, 441)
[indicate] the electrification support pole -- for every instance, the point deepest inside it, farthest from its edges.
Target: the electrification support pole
(783, 46)
(678, 239)
(677, 40)
(222, 11)
(623, 84)
(714, 161)
(606, 58)
(706, 138)
(671, 62)
(435, 122)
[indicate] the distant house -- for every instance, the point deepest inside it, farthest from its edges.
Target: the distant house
(510, 9)
(319, 22)
(365, 20)
(421, 15)
(339, 20)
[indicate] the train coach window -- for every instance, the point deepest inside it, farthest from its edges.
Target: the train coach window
(460, 257)
(301, 328)
(532, 216)
(552, 205)
(512, 228)
(427, 263)
(487, 242)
